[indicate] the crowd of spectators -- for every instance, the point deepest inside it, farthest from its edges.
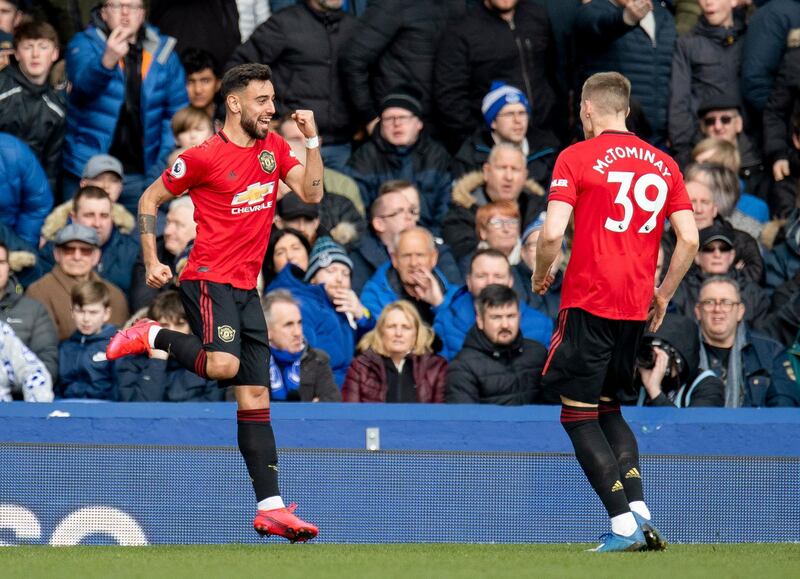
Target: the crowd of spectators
(440, 123)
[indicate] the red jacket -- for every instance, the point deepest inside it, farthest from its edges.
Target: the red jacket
(366, 378)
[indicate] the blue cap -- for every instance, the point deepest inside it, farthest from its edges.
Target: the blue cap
(500, 95)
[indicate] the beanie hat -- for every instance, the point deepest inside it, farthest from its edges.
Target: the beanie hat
(500, 95)
(535, 225)
(326, 251)
(404, 97)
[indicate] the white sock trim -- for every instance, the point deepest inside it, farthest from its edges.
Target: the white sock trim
(640, 509)
(271, 503)
(624, 525)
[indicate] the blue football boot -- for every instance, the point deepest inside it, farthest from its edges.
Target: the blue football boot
(611, 542)
(655, 542)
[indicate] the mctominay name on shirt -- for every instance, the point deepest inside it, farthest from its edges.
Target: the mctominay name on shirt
(616, 153)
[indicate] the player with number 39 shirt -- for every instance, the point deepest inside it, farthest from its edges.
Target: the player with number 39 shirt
(620, 190)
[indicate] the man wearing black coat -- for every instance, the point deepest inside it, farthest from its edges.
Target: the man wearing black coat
(496, 364)
(506, 40)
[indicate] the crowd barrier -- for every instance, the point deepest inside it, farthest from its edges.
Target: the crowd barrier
(136, 474)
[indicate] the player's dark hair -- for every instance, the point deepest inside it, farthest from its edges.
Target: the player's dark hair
(196, 60)
(495, 296)
(167, 306)
(89, 192)
(488, 252)
(242, 75)
(35, 30)
(90, 292)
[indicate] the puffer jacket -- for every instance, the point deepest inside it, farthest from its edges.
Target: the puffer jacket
(25, 195)
(393, 44)
(454, 321)
(84, 370)
(144, 379)
(323, 327)
(302, 46)
(480, 48)
(706, 63)
(607, 43)
(32, 324)
(764, 48)
(366, 380)
(426, 163)
(97, 96)
(485, 373)
(36, 114)
(458, 227)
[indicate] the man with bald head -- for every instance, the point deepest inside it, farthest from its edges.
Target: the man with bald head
(504, 177)
(410, 275)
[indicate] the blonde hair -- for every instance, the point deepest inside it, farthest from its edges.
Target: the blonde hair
(723, 153)
(609, 92)
(373, 340)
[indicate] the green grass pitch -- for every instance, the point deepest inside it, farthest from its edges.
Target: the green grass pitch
(387, 561)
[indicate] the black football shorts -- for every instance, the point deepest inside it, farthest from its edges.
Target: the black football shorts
(590, 357)
(228, 319)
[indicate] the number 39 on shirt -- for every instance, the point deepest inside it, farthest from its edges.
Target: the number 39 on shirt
(640, 189)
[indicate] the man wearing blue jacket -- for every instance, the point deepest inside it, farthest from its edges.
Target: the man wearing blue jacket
(127, 82)
(453, 321)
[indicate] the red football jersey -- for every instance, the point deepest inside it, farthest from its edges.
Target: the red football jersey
(622, 190)
(234, 190)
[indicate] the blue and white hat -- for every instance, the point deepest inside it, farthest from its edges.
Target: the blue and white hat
(500, 95)
(325, 252)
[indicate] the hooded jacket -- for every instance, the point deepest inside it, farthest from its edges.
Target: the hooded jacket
(706, 63)
(98, 94)
(426, 163)
(31, 323)
(324, 327)
(487, 373)
(84, 370)
(469, 193)
(367, 382)
(454, 321)
(694, 386)
(36, 114)
(302, 47)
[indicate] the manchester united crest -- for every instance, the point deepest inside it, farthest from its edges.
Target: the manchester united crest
(226, 333)
(267, 160)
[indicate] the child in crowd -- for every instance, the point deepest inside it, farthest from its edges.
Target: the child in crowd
(157, 378)
(190, 126)
(84, 371)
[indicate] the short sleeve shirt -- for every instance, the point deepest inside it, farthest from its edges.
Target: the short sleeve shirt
(234, 190)
(622, 190)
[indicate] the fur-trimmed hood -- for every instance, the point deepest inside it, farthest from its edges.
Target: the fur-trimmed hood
(58, 218)
(463, 188)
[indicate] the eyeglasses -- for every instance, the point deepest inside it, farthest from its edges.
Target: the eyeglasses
(77, 250)
(724, 119)
(513, 114)
(498, 222)
(724, 305)
(397, 119)
(119, 7)
(721, 247)
(413, 212)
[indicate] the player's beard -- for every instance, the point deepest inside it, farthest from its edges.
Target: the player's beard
(250, 126)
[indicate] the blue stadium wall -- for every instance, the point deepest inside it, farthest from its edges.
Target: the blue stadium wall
(137, 474)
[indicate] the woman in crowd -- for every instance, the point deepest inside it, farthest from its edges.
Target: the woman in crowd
(397, 363)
